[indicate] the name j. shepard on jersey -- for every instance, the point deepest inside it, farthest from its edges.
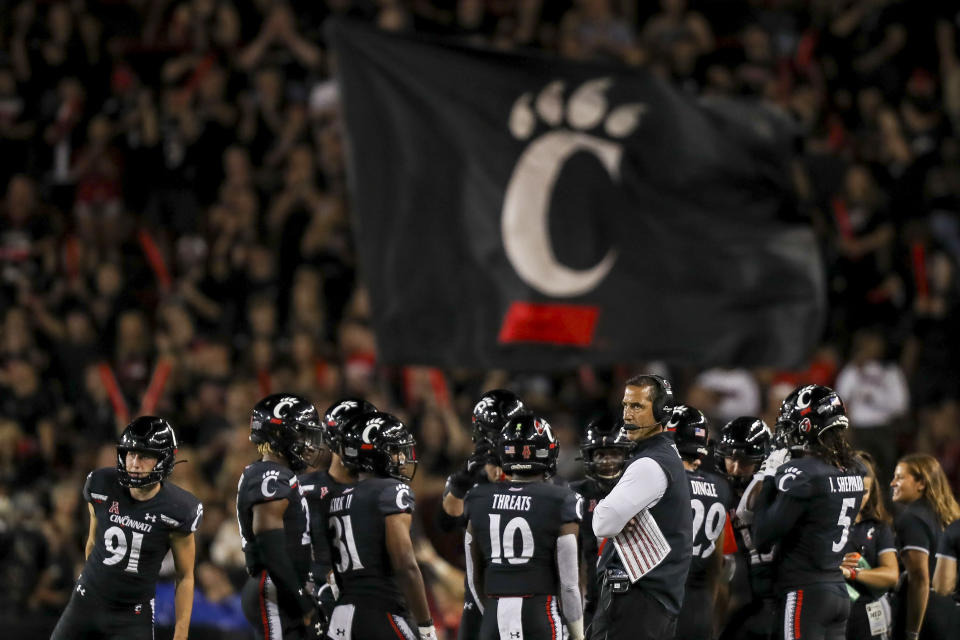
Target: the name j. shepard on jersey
(127, 521)
(702, 488)
(514, 503)
(846, 483)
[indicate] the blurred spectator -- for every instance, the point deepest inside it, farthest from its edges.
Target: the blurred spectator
(876, 395)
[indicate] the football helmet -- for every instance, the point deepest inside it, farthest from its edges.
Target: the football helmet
(153, 436)
(604, 432)
(379, 443)
(492, 412)
(691, 431)
(337, 415)
(527, 445)
(290, 425)
(743, 438)
(806, 414)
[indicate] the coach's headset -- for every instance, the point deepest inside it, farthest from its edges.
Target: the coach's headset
(663, 404)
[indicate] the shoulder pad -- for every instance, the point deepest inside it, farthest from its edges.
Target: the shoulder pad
(794, 481)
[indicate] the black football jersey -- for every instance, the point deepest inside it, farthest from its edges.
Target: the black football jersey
(515, 527)
(710, 500)
(592, 493)
(814, 507)
(264, 481)
(133, 536)
(949, 547)
(917, 527)
(356, 535)
(870, 538)
(317, 487)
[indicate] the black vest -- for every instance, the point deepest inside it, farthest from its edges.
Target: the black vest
(673, 516)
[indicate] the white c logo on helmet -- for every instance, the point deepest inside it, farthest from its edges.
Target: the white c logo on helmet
(278, 410)
(373, 423)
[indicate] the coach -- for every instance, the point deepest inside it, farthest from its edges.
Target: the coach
(647, 525)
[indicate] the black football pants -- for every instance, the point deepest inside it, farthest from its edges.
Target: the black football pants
(521, 618)
(90, 618)
(813, 613)
(367, 621)
(634, 615)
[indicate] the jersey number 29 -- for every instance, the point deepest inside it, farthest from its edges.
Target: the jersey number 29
(712, 522)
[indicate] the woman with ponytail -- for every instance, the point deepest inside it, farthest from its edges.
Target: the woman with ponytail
(921, 488)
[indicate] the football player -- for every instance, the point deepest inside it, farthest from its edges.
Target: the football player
(744, 444)
(274, 517)
(524, 530)
(605, 448)
(136, 516)
(492, 411)
(368, 531)
(317, 484)
(710, 498)
(806, 505)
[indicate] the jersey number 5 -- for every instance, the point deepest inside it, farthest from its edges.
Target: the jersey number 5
(508, 548)
(844, 522)
(115, 543)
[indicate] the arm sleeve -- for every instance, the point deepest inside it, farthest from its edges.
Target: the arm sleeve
(569, 578)
(775, 513)
(572, 508)
(641, 487)
(471, 579)
(948, 542)
(396, 498)
(885, 539)
(88, 488)
(193, 515)
(912, 534)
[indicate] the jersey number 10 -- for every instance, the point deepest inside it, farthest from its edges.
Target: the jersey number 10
(508, 549)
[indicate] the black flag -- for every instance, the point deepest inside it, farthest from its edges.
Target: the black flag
(526, 212)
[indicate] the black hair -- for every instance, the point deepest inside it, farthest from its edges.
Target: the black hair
(659, 393)
(834, 449)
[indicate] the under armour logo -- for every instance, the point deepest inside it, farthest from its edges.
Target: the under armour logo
(150, 517)
(468, 606)
(81, 590)
(341, 632)
(514, 634)
(115, 508)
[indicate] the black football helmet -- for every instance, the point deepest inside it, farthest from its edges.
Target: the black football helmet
(691, 431)
(493, 411)
(746, 438)
(153, 436)
(604, 432)
(527, 445)
(379, 443)
(290, 425)
(806, 413)
(337, 415)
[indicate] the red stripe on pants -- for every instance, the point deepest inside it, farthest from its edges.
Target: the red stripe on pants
(553, 627)
(394, 625)
(263, 606)
(796, 615)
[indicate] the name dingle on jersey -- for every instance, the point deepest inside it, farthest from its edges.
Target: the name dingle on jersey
(846, 483)
(513, 503)
(701, 488)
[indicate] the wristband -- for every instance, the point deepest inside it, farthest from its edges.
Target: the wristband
(427, 631)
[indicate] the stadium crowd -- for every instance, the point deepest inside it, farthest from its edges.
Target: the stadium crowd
(175, 239)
